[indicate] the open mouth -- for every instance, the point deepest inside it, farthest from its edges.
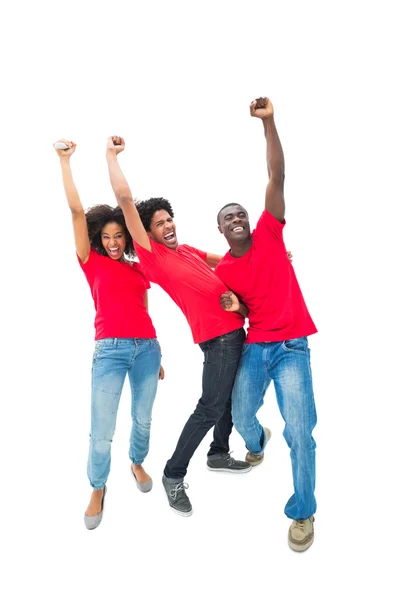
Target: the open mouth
(113, 251)
(237, 229)
(170, 238)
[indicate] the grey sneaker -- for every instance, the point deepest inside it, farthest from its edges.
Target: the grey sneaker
(256, 459)
(95, 520)
(177, 498)
(225, 462)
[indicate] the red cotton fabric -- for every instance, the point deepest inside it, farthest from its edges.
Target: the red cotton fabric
(266, 283)
(192, 285)
(118, 291)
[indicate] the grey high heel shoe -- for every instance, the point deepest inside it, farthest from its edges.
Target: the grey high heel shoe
(145, 486)
(95, 520)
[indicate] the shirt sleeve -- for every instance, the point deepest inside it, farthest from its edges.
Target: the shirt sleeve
(143, 274)
(267, 224)
(89, 267)
(151, 262)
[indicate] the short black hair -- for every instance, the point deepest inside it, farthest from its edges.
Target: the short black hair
(147, 208)
(226, 206)
(97, 217)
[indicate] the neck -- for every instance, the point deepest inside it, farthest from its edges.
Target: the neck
(240, 249)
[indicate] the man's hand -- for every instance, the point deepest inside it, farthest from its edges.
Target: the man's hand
(66, 153)
(261, 108)
(115, 144)
(229, 302)
(290, 256)
(161, 374)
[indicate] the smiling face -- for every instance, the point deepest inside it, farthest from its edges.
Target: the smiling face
(113, 240)
(163, 230)
(233, 222)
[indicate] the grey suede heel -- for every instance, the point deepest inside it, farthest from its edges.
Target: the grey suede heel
(93, 522)
(143, 487)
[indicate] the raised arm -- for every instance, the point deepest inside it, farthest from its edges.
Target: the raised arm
(82, 242)
(123, 194)
(274, 198)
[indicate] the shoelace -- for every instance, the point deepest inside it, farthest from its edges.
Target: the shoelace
(180, 487)
(230, 460)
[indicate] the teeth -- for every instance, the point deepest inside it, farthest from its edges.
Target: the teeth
(238, 229)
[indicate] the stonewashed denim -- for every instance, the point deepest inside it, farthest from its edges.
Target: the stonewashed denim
(113, 358)
(287, 364)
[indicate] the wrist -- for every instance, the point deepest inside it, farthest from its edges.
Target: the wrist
(111, 153)
(267, 120)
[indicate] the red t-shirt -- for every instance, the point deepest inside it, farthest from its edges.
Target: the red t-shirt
(192, 285)
(265, 281)
(118, 291)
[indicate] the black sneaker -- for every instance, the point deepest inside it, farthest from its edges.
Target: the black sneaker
(177, 498)
(225, 462)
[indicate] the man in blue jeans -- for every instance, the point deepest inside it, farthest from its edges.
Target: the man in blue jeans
(257, 269)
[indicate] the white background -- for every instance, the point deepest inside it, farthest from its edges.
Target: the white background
(175, 79)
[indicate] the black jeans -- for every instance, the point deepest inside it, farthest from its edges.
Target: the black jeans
(221, 359)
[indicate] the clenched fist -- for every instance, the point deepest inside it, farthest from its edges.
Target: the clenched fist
(115, 144)
(70, 150)
(261, 108)
(229, 301)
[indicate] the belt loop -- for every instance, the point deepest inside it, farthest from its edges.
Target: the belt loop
(115, 341)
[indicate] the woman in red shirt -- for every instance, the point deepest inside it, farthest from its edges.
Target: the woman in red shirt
(126, 340)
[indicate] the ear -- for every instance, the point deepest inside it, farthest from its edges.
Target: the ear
(219, 229)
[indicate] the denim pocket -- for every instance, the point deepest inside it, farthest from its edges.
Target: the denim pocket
(296, 345)
(99, 345)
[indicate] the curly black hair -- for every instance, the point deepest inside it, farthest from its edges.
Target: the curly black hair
(147, 208)
(97, 217)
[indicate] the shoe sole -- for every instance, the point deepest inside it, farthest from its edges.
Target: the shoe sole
(181, 513)
(237, 472)
(302, 547)
(257, 464)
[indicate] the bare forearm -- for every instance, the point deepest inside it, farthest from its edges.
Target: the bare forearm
(243, 310)
(275, 158)
(118, 181)
(71, 192)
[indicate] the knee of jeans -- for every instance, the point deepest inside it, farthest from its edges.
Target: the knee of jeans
(142, 422)
(101, 445)
(298, 439)
(210, 414)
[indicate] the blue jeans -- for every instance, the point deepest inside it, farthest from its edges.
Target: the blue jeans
(113, 358)
(287, 364)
